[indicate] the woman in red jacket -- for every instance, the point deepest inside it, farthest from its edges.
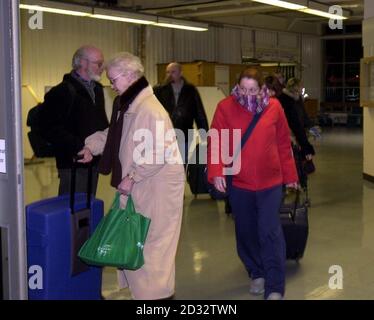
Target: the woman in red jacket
(266, 164)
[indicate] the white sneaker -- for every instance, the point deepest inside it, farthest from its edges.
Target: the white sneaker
(275, 296)
(257, 286)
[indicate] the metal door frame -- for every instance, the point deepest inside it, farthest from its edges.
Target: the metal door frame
(12, 212)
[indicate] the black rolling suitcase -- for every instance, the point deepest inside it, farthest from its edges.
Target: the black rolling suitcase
(294, 220)
(196, 174)
(303, 168)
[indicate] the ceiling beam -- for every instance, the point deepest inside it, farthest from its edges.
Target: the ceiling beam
(231, 11)
(196, 6)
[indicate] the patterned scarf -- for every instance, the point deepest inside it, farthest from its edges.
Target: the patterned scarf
(253, 103)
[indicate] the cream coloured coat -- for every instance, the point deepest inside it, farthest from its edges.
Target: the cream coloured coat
(157, 193)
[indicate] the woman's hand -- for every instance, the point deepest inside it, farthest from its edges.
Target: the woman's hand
(87, 155)
(126, 185)
(309, 157)
(293, 185)
(220, 184)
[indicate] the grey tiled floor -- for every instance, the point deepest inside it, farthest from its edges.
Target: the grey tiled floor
(341, 232)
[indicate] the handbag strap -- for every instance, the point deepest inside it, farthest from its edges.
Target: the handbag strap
(247, 134)
(116, 202)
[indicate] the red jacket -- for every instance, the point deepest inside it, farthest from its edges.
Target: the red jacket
(266, 158)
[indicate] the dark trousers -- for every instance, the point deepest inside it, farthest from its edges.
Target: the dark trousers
(183, 149)
(80, 181)
(259, 236)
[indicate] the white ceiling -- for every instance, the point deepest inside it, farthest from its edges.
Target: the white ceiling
(211, 10)
(176, 6)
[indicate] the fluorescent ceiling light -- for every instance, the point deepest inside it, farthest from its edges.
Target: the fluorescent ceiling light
(116, 15)
(323, 14)
(323, 11)
(111, 14)
(309, 7)
(291, 4)
(179, 26)
(54, 10)
(120, 19)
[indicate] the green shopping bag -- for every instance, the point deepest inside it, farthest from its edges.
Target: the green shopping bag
(118, 240)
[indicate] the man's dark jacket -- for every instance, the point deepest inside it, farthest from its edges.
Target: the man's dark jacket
(69, 116)
(297, 122)
(188, 109)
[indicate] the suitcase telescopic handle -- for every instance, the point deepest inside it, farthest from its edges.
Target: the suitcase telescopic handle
(73, 180)
(297, 200)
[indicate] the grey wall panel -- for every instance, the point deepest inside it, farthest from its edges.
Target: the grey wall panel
(266, 39)
(288, 40)
(311, 60)
(229, 45)
(159, 49)
(192, 46)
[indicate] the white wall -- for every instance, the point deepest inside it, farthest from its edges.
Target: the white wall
(158, 50)
(368, 9)
(192, 46)
(229, 45)
(368, 43)
(46, 54)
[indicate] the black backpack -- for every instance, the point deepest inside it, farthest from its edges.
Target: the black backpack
(40, 145)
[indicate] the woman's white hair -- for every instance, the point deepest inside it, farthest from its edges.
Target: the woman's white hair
(126, 63)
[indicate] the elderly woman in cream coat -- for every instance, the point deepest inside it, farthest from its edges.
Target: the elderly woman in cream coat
(140, 150)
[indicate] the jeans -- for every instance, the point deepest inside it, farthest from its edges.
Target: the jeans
(259, 235)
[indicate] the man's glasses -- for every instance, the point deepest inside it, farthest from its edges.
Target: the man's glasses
(98, 63)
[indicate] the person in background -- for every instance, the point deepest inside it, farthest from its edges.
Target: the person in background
(157, 187)
(255, 196)
(294, 88)
(73, 110)
(281, 78)
(293, 106)
(183, 103)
